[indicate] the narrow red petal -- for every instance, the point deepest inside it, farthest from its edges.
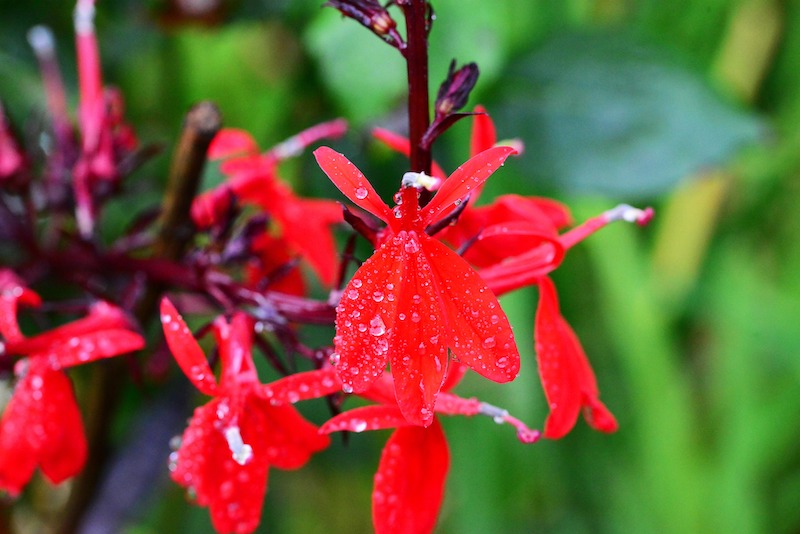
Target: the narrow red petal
(186, 350)
(306, 224)
(351, 182)
(521, 271)
(463, 181)
(231, 142)
(376, 417)
(92, 346)
(365, 316)
(558, 363)
(409, 484)
(479, 334)
(302, 386)
(65, 453)
(418, 344)
(483, 135)
(18, 454)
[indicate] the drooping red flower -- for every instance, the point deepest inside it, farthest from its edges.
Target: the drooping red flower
(41, 425)
(415, 297)
(253, 179)
(233, 440)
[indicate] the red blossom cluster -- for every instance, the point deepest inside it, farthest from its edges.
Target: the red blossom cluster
(410, 321)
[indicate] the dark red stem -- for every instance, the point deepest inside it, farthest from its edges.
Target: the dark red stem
(416, 54)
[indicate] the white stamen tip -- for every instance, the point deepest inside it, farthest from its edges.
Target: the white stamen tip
(420, 180)
(84, 17)
(241, 451)
(627, 213)
(41, 40)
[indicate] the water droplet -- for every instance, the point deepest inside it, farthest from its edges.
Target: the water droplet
(377, 296)
(347, 388)
(354, 371)
(376, 326)
(502, 363)
(359, 425)
(489, 342)
(415, 317)
(494, 319)
(411, 246)
(361, 193)
(334, 359)
(356, 282)
(416, 299)
(352, 294)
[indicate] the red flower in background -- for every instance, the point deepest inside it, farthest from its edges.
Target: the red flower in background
(41, 425)
(305, 224)
(233, 440)
(415, 297)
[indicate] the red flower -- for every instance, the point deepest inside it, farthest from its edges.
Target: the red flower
(232, 441)
(253, 179)
(410, 481)
(41, 425)
(415, 297)
(568, 380)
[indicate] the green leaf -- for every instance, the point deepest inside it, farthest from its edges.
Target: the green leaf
(606, 113)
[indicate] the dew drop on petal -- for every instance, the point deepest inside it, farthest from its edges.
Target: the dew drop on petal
(356, 282)
(411, 246)
(494, 319)
(376, 326)
(359, 425)
(361, 193)
(502, 362)
(334, 359)
(377, 296)
(488, 343)
(347, 388)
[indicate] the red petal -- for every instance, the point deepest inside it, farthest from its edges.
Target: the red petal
(66, 454)
(302, 386)
(41, 425)
(231, 142)
(409, 484)
(483, 135)
(205, 465)
(351, 182)
(401, 144)
(235, 341)
(520, 271)
(463, 181)
(375, 417)
(450, 404)
(418, 344)
(92, 346)
(567, 378)
(289, 439)
(366, 315)
(479, 334)
(187, 352)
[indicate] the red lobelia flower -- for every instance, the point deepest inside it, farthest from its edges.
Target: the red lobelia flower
(415, 297)
(305, 224)
(41, 425)
(231, 442)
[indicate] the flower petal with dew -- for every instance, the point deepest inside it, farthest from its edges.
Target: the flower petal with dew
(415, 298)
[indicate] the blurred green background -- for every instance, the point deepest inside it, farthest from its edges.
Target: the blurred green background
(692, 106)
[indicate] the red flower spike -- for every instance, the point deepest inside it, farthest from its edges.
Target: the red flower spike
(568, 380)
(231, 442)
(415, 298)
(409, 484)
(187, 352)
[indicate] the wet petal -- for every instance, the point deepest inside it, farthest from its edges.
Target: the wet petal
(409, 484)
(92, 346)
(351, 182)
(233, 491)
(365, 317)
(365, 418)
(463, 181)
(65, 455)
(478, 331)
(185, 349)
(302, 386)
(418, 344)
